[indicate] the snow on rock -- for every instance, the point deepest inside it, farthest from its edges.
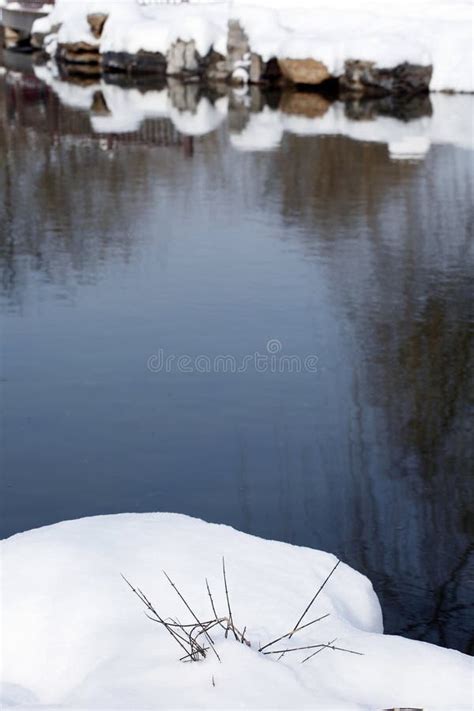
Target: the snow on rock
(421, 32)
(74, 636)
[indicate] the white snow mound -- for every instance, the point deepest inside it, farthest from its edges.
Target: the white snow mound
(74, 636)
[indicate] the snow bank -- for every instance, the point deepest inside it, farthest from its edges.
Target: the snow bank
(74, 636)
(388, 33)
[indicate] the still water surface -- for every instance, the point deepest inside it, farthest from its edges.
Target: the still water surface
(126, 237)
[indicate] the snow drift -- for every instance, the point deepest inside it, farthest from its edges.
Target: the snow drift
(74, 636)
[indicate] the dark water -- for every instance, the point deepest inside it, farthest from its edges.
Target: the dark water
(116, 246)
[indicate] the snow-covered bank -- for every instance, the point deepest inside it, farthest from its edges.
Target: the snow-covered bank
(74, 636)
(420, 32)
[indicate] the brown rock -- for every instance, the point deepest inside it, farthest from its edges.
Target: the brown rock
(96, 23)
(78, 53)
(12, 37)
(304, 71)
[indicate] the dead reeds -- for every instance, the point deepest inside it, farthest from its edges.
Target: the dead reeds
(195, 639)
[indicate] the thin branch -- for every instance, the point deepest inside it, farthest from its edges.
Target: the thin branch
(313, 646)
(314, 598)
(148, 604)
(193, 614)
(212, 603)
(349, 651)
(176, 623)
(231, 621)
(318, 651)
(290, 634)
(190, 657)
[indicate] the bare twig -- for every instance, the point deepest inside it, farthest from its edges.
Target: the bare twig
(318, 651)
(190, 657)
(148, 604)
(193, 614)
(313, 599)
(294, 631)
(337, 649)
(313, 646)
(231, 621)
(212, 603)
(187, 634)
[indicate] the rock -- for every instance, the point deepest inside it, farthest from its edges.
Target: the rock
(38, 38)
(366, 78)
(304, 71)
(78, 53)
(182, 58)
(96, 22)
(13, 38)
(306, 104)
(242, 61)
(238, 45)
(141, 63)
(256, 68)
(216, 67)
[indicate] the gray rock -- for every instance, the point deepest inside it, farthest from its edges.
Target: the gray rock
(141, 63)
(237, 42)
(182, 58)
(368, 79)
(240, 58)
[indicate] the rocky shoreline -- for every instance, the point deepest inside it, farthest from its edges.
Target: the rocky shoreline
(238, 65)
(242, 66)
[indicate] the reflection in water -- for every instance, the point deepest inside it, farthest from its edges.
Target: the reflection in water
(134, 219)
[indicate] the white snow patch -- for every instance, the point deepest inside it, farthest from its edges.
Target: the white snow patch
(74, 635)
